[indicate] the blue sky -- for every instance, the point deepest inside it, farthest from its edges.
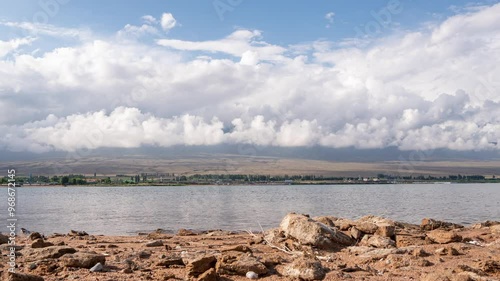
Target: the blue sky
(283, 22)
(415, 75)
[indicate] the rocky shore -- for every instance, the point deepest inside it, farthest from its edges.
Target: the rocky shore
(301, 248)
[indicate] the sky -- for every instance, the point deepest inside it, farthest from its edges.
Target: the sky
(411, 75)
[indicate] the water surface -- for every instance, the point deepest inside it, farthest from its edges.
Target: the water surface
(128, 210)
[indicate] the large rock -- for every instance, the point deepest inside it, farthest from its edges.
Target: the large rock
(240, 264)
(304, 269)
(198, 263)
(310, 232)
(52, 252)
(23, 277)
(82, 260)
(443, 237)
(431, 224)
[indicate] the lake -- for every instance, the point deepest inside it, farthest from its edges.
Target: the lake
(128, 210)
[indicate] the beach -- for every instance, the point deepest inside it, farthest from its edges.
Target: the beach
(301, 247)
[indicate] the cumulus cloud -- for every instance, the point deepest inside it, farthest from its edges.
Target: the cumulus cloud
(435, 87)
(149, 19)
(168, 21)
(11, 45)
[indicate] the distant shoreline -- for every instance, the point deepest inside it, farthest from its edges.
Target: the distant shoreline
(252, 184)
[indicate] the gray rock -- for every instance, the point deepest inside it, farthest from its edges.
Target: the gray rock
(97, 268)
(310, 232)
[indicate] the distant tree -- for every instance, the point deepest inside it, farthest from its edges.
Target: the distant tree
(64, 180)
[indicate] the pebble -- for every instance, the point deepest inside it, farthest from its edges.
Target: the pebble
(252, 275)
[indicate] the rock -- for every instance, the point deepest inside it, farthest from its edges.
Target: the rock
(367, 227)
(209, 275)
(52, 252)
(77, 233)
(252, 275)
(304, 269)
(144, 254)
(127, 271)
(443, 237)
(185, 232)
(450, 251)
(34, 236)
(310, 232)
(377, 242)
(489, 266)
(419, 252)
(39, 243)
(431, 224)
(23, 277)
(198, 263)
(386, 230)
(97, 268)
(495, 228)
(4, 239)
(157, 243)
(237, 248)
(274, 236)
(240, 265)
(171, 260)
(82, 260)
(356, 233)
(328, 221)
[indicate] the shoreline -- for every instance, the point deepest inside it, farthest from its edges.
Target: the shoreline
(319, 248)
(256, 184)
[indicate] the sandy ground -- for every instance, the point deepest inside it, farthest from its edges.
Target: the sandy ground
(475, 255)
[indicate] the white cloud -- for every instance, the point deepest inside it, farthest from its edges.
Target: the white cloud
(148, 19)
(49, 30)
(330, 17)
(168, 21)
(8, 46)
(423, 89)
(137, 31)
(236, 44)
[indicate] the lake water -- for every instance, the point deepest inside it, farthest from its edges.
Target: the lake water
(128, 210)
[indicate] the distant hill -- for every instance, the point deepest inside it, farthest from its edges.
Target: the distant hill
(252, 160)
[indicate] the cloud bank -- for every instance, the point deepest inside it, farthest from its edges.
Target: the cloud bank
(435, 87)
